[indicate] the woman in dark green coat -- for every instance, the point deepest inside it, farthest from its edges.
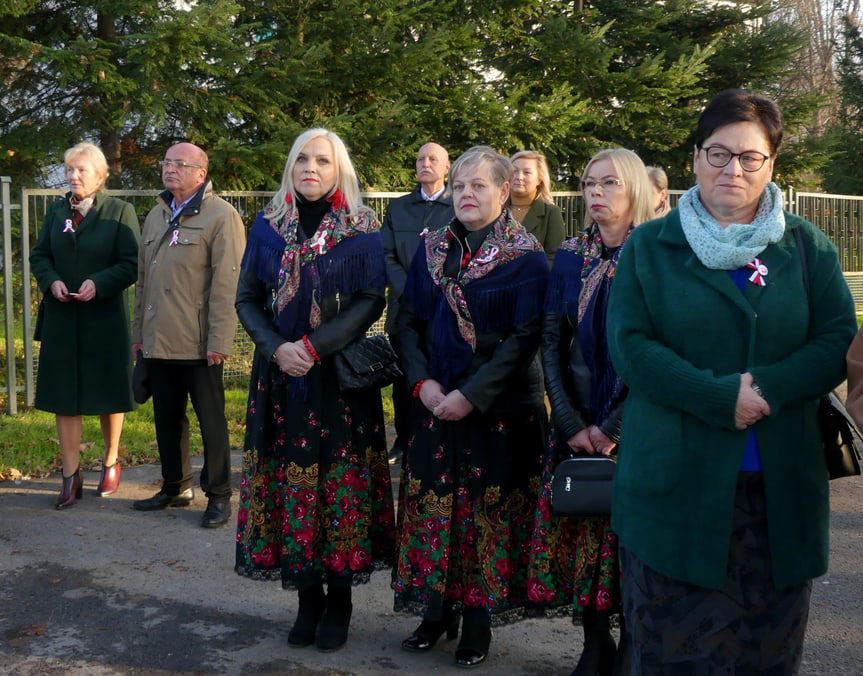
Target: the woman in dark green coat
(85, 258)
(721, 497)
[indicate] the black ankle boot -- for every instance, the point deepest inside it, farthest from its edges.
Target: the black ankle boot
(427, 634)
(333, 632)
(309, 613)
(475, 640)
(598, 654)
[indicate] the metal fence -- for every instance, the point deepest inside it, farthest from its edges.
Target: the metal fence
(838, 216)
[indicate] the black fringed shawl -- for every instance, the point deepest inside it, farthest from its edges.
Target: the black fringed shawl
(502, 287)
(344, 255)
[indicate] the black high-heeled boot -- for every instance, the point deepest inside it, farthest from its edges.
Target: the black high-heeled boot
(597, 657)
(333, 632)
(309, 612)
(623, 657)
(72, 490)
(475, 640)
(427, 634)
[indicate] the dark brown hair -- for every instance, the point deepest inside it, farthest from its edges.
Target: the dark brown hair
(741, 105)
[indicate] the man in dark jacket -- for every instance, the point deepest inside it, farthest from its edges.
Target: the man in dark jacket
(427, 207)
(188, 266)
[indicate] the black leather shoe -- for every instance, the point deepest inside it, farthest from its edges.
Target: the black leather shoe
(473, 647)
(427, 634)
(162, 500)
(217, 513)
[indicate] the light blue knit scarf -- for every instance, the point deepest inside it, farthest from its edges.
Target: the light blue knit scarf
(736, 244)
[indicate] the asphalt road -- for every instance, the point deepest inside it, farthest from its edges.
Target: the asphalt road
(100, 590)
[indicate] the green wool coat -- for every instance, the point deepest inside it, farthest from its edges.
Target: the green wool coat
(679, 336)
(85, 362)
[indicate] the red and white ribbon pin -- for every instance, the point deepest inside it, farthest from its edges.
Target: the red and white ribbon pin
(760, 273)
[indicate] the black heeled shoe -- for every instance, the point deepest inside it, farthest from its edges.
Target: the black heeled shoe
(427, 634)
(311, 608)
(73, 489)
(333, 631)
(597, 657)
(472, 650)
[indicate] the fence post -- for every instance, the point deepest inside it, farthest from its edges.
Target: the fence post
(791, 200)
(8, 303)
(27, 303)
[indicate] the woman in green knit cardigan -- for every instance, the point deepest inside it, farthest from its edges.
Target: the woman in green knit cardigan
(721, 496)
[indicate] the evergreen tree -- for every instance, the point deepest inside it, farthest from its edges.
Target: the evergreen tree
(841, 174)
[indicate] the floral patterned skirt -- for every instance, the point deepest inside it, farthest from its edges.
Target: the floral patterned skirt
(469, 493)
(316, 500)
(575, 562)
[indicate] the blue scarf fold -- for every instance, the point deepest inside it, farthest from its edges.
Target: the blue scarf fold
(580, 287)
(509, 295)
(356, 263)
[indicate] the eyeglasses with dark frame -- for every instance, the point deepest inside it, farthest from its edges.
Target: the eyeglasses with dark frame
(750, 160)
(178, 164)
(607, 184)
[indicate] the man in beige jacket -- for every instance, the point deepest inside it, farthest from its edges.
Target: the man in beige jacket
(188, 265)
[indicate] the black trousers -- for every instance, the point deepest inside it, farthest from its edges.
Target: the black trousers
(402, 406)
(173, 384)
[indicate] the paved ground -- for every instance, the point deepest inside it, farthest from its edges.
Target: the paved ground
(101, 590)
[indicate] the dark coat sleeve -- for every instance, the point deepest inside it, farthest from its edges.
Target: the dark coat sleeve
(566, 416)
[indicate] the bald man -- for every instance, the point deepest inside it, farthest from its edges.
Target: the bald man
(188, 266)
(427, 207)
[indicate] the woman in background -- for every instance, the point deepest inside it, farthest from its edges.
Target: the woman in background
(316, 502)
(575, 563)
(85, 258)
(660, 191)
(531, 203)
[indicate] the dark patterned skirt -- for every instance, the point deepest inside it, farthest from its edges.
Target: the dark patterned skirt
(469, 493)
(574, 562)
(316, 502)
(748, 627)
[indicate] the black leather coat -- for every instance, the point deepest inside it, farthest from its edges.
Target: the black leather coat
(567, 381)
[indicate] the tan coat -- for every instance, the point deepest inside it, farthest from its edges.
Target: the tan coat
(184, 296)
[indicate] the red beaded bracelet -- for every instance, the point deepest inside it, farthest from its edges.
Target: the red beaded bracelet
(417, 387)
(310, 349)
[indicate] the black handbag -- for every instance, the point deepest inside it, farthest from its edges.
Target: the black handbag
(141, 388)
(583, 486)
(368, 362)
(843, 444)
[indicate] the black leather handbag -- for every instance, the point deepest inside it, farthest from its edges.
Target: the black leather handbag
(368, 362)
(842, 441)
(583, 486)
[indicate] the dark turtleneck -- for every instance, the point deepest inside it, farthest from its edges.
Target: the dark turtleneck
(311, 213)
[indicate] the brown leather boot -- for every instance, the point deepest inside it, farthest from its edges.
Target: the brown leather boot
(109, 482)
(71, 490)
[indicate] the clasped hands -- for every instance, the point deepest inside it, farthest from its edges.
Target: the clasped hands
(452, 406)
(87, 291)
(751, 407)
(293, 359)
(591, 439)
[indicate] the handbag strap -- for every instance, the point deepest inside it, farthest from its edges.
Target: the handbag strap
(802, 252)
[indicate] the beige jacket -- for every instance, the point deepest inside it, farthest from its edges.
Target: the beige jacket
(187, 278)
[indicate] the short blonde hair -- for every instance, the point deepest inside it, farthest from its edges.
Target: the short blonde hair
(631, 170)
(657, 177)
(544, 189)
(346, 176)
(499, 167)
(92, 153)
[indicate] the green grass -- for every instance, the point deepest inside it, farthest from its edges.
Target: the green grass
(29, 446)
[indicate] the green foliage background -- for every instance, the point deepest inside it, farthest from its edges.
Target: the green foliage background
(242, 77)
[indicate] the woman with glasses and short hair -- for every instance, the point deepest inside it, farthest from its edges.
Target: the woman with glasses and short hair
(721, 496)
(574, 563)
